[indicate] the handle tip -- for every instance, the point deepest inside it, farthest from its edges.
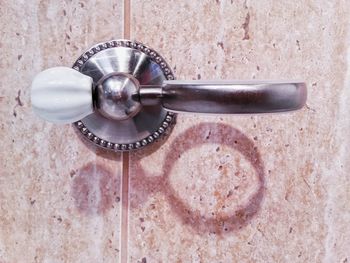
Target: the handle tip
(61, 95)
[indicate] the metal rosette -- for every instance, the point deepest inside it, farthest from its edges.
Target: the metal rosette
(155, 63)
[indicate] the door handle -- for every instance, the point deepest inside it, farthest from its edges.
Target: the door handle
(122, 95)
(226, 97)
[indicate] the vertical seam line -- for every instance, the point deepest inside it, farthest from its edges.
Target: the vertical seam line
(124, 230)
(124, 209)
(127, 18)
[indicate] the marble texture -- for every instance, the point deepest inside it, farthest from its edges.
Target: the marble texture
(59, 197)
(248, 188)
(245, 188)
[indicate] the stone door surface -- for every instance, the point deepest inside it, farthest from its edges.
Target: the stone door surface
(219, 188)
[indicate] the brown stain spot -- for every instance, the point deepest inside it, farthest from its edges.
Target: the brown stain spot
(72, 173)
(58, 218)
(208, 136)
(18, 99)
(95, 189)
(32, 201)
(245, 26)
(19, 103)
(220, 44)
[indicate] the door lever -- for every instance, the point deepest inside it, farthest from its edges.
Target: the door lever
(122, 95)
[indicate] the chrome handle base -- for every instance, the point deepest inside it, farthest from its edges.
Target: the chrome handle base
(134, 95)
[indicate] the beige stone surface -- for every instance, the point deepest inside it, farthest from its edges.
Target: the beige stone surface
(248, 188)
(259, 188)
(59, 197)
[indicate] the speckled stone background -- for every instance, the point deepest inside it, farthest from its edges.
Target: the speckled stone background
(252, 188)
(59, 198)
(263, 188)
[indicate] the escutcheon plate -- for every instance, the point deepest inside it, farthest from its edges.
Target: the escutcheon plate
(149, 68)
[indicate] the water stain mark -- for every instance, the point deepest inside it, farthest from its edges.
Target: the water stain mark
(219, 222)
(95, 189)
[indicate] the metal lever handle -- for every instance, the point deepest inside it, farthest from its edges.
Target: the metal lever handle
(121, 95)
(226, 96)
(63, 95)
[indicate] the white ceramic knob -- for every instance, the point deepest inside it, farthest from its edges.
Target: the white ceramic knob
(62, 95)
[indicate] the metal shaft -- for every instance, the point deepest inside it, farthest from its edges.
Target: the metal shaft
(226, 96)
